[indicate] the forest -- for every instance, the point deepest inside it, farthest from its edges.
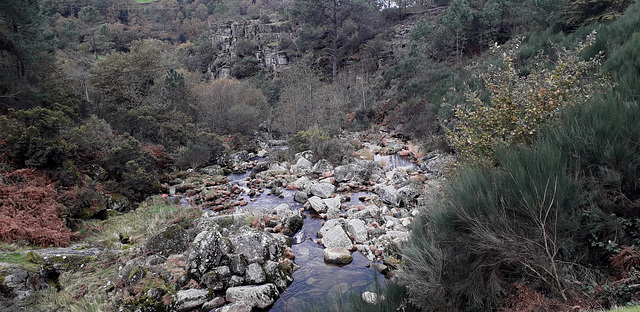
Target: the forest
(104, 102)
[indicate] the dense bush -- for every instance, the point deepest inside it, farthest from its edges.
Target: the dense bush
(322, 145)
(494, 227)
(34, 138)
(520, 104)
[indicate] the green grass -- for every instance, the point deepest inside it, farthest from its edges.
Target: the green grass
(626, 309)
(146, 1)
(86, 289)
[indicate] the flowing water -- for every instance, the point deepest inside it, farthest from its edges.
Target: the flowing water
(316, 281)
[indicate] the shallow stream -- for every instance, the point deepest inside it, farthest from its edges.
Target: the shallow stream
(315, 282)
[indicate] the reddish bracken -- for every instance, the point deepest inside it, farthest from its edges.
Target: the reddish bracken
(626, 259)
(29, 209)
(158, 152)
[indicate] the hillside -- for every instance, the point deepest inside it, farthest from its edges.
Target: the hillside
(480, 154)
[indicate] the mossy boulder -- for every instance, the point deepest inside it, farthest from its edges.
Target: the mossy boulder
(118, 202)
(168, 241)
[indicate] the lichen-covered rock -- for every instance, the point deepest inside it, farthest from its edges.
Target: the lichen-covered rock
(211, 170)
(336, 238)
(205, 253)
(407, 193)
(256, 246)
(235, 307)
(316, 203)
(170, 240)
(329, 225)
(322, 166)
(260, 296)
(339, 256)
(302, 166)
(254, 274)
(322, 190)
(238, 264)
(300, 196)
(19, 284)
(358, 230)
(118, 202)
(214, 303)
(132, 272)
(186, 300)
(351, 172)
(387, 194)
(276, 275)
(303, 184)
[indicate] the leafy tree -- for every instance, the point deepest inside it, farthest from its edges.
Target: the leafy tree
(230, 106)
(520, 104)
(125, 80)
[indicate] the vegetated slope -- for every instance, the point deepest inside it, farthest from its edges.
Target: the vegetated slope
(553, 225)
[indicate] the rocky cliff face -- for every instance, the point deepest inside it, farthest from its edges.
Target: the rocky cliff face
(265, 42)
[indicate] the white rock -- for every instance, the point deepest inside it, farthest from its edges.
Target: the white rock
(260, 296)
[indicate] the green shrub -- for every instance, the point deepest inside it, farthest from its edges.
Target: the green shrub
(520, 104)
(494, 227)
(34, 138)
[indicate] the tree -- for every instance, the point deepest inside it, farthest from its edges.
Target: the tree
(90, 17)
(458, 20)
(230, 106)
(334, 27)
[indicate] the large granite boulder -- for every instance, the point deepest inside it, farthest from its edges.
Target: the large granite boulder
(206, 253)
(190, 299)
(168, 241)
(339, 256)
(323, 190)
(260, 296)
(351, 172)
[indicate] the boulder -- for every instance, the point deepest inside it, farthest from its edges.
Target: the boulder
(284, 211)
(302, 166)
(322, 166)
(323, 190)
(260, 296)
(406, 194)
(329, 225)
(235, 307)
(214, 303)
(205, 253)
(276, 275)
(339, 256)
(132, 272)
(358, 230)
(317, 204)
(372, 298)
(211, 170)
(186, 300)
(254, 274)
(351, 172)
(303, 184)
(387, 194)
(300, 196)
(118, 202)
(170, 240)
(336, 238)
(437, 165)
(256, 246)
(334, 202)
(17, 283)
